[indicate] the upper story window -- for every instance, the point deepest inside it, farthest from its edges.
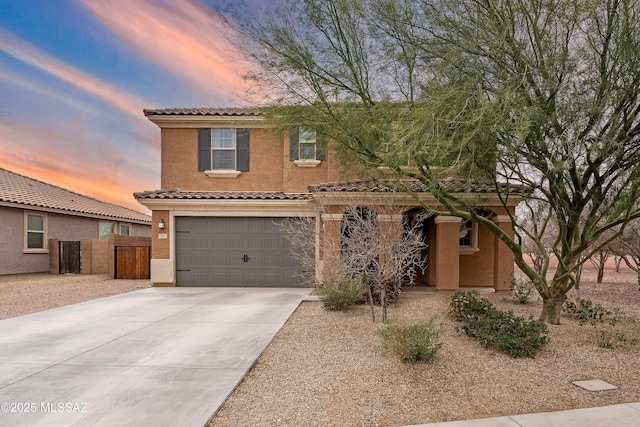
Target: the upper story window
(223, 149)
(307, 143)
(223, 152)
(305, 147)
(35, 232)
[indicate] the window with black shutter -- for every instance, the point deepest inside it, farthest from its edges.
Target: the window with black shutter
(223, 150)
(306, 146)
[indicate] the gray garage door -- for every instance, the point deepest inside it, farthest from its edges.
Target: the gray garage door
(234, 252)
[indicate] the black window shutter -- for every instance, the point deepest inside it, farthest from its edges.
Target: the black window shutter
(204, 149)
(242, 150)
(294, 147)
(321, 145)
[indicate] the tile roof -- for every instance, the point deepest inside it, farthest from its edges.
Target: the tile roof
(16, 189)
(455, 185)
(230, 111)
(220, 195)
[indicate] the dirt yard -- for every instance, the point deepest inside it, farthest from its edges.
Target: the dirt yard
(27, 293)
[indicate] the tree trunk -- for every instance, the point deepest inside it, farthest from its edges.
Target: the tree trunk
(383, 300)
(600, 273)
(617, 260)
(551, 309)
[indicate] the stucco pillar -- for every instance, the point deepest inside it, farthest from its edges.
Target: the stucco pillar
(447, 256)
(330, 237)
(503, 258)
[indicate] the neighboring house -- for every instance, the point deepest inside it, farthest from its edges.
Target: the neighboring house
(228, 179)
(34, 214)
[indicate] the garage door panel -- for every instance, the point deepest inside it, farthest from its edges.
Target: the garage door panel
(233, 252)
(274, 260)
(255, 242)
(236, 243)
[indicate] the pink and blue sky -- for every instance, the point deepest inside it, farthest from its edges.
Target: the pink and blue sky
(75, 76)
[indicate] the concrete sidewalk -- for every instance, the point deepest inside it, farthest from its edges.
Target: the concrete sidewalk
(623, 415)
(159, 356)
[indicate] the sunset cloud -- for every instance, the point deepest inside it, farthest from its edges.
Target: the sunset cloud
(46, 155)
(125, 103)
(182, 37)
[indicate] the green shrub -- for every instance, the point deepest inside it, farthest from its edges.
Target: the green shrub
(497, 329)
(419, 342)
(341, 295)
(586, 312)
(506, 332)
(466, 305)
(603, 320)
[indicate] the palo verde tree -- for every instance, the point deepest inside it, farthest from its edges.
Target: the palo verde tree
(537, 93)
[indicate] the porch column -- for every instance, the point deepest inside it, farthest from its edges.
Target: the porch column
(328, 266)
(447, 262)
(503, 258)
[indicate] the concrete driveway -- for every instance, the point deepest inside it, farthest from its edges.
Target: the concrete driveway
(159, 356)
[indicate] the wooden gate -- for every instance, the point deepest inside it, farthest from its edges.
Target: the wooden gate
(69, 257)
(132, 262)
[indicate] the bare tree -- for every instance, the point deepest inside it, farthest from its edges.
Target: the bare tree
(537, 243)
(627, 247)
(599, 260)
(617, 260)
(377, 244)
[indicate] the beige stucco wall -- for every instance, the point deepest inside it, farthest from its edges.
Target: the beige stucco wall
(270, 168)
(476, 270)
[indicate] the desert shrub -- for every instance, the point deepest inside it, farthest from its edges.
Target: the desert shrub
(340, 295)
(604, 321)
(419, 342)
(504, 331)
(522, 290)
(585, 311)
(466, 305)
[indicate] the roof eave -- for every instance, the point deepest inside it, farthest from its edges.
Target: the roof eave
(382, 197)
(237, 207)
(73, 213)
(199, 121)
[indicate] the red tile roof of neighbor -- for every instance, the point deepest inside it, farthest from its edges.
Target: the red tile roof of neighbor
(16, 189)
(230, 111)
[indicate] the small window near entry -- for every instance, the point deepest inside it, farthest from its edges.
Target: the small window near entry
(35, 227)
(106, 229)
(468, 237)
(466, 232)
(125, 229)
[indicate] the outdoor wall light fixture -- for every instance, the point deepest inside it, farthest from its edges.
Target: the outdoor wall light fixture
(161, 224)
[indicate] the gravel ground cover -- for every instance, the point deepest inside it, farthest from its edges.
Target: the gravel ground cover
(329, 368)
(28, 293)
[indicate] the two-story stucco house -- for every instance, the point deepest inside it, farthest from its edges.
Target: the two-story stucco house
(227, 178)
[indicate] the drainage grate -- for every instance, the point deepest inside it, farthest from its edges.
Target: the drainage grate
(595, 385)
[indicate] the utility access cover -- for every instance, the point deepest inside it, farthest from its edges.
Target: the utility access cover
(595, 385)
